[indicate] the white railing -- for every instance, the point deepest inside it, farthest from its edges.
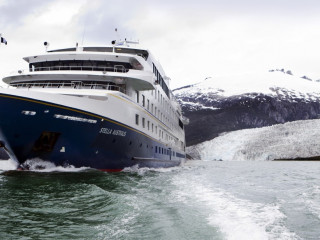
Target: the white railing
(70, 85)
(115, 68)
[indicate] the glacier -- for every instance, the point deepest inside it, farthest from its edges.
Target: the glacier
(292, 140)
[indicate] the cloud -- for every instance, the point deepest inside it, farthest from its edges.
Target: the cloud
(13, 13)
(100, 18)
(192, 39)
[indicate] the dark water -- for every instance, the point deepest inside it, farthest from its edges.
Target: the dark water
(201, 200)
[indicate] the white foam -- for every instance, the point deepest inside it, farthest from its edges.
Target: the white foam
(311, 200)
(142, 171)
(236, 218)
(8, 165)
(39, 165)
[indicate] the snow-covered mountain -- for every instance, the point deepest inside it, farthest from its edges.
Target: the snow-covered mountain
(294, 140)
(229, 103)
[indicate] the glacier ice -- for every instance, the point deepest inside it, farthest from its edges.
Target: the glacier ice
(298, 139)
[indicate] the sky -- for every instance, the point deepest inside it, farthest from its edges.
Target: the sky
(192, 40)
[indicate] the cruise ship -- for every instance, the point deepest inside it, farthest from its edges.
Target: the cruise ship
(106, 108)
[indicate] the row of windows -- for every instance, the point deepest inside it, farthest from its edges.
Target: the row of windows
(85, 65)
(164, 151)
(144, 123)
(158, 150)
(160, 80)
(151, 127)
(139, 52)
(148, 125)
(168, 117)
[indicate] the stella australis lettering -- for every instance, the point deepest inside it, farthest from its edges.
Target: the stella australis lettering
(115, 132)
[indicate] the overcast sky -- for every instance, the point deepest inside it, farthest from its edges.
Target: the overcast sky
(192, 39)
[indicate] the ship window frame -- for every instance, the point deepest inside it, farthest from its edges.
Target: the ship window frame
(143, 100)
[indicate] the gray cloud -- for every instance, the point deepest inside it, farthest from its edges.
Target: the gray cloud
(99, 21)
(224, 35)
(14, 12)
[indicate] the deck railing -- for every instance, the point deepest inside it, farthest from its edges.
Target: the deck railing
(115, 68)
(70, 85)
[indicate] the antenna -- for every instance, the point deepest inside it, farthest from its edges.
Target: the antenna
(117, 35)
(126, 42)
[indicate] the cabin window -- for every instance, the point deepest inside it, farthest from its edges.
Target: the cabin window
(137, 92)
(143, 122)
(148, 103)
(143, 100)
(148, 124)
(137, 119)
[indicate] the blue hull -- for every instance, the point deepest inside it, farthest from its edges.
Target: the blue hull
(66, 136)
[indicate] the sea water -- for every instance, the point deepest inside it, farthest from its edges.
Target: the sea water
(200, 200)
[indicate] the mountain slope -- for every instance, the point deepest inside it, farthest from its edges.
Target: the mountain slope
(226, 104)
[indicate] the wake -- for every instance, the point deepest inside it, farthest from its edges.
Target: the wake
(38, 165)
